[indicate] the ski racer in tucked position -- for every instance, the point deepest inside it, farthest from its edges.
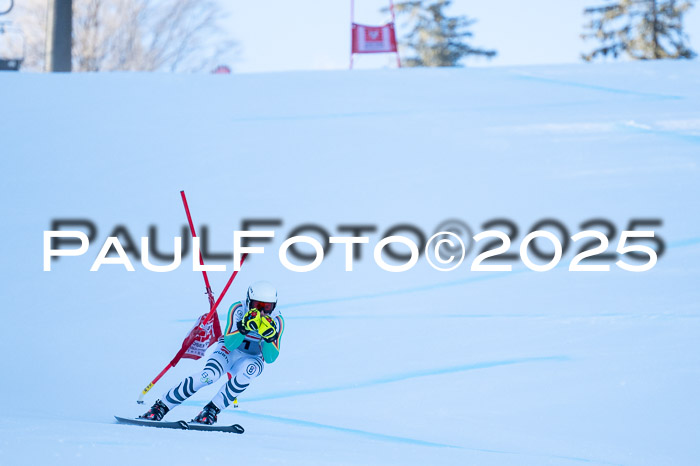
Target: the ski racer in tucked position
(251, 339)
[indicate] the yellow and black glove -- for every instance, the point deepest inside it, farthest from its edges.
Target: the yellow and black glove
(268, 329)
(250, 322)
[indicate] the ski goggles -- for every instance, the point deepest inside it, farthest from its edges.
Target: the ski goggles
(261, 306)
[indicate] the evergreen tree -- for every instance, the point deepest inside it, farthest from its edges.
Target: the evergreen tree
(641, 29)
(435, 38)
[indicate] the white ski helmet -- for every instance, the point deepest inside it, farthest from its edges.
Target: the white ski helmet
(262, 296)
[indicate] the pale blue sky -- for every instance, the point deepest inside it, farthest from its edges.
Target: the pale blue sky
(280, 35)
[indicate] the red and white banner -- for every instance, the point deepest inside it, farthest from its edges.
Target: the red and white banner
(201, 338)
(373, 39)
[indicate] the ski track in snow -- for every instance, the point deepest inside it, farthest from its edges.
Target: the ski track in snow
(565, 371)
(420, 373)
(594, 87)
(401, 377)
(449, 283)
(396, 439)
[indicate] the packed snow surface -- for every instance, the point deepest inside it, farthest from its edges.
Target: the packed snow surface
(417, 367)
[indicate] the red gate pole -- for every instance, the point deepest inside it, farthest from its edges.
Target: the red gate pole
(210, 294)
(191, 337)
(212, 307)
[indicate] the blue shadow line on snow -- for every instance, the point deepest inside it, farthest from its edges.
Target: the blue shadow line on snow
(596, 87)
(416, 289)
(397, 439)
(413, 289)
(346, 430)
(400, 291)
(451, 316)
(409, 316)
(684, 242)
(408, 375)
(396, 113)
(407, 112)
(324, 116)
(413, 316)
(399, 377)
(693, 138)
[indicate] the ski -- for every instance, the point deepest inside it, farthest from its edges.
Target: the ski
(181, 425)
(235, 428)
(160, 424)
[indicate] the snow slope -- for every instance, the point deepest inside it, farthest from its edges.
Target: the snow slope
(420, 367)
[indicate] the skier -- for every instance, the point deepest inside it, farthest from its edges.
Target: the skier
(251, 339)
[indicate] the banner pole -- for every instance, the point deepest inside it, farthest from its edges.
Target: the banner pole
(352, 29)
(393, 21)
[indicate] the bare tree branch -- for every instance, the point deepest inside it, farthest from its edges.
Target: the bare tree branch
(134, 35)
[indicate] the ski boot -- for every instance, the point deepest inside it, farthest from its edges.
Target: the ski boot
(157, 411)
(208, 414)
